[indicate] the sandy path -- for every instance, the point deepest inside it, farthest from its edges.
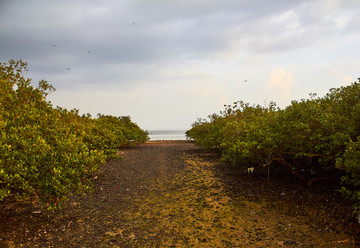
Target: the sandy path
(177, 195)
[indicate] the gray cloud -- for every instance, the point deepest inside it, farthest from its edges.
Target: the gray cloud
(156, 44)
(132, 32)
(159, 31)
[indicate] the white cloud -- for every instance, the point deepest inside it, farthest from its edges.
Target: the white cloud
(278, 86)
(205, 87)
(345, 79)
(348, 80)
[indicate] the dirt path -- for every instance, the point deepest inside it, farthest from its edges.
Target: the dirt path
(177, 195)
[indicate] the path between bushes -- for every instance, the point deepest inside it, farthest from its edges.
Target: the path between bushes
(173, 194)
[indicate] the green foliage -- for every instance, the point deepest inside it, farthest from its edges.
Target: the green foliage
(48, 152)
(248, 135)
(207, 134)
(350, 162)
(315, 139)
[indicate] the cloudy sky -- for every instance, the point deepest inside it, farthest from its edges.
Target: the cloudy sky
(168, 62)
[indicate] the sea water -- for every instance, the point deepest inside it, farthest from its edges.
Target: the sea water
(167, 134)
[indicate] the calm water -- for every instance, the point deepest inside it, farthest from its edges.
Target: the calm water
(167, 134)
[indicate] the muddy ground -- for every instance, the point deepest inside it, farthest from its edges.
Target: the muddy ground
(173, 194)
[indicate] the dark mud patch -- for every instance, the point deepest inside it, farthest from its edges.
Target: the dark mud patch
(172, 194)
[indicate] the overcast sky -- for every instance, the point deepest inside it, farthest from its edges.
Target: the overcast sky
(168, 62)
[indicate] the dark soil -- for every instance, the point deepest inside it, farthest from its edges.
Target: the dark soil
(173, 194)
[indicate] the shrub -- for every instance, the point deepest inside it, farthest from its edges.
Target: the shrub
(49, 152)
(316, 139)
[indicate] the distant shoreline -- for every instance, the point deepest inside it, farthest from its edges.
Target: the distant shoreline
(168, 141)
(167, 135)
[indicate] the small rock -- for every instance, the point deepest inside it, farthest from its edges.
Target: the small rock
(289, 242)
